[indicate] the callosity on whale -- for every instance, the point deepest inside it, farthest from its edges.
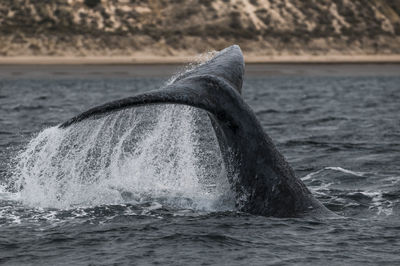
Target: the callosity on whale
(262, 180)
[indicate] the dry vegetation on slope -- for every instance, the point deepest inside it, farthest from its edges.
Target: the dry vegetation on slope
(178, 27)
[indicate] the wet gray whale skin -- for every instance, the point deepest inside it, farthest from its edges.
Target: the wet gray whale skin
(262, 180)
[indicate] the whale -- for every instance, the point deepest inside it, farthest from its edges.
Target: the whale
(262, 180)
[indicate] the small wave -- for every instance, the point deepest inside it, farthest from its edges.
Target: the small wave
(340, 169)
(28, 107)
(308, 142)
(300, 110)
(43, 97)
(266, 111)
(334, 168)
(324, 120)
(291, 111)
(5, 133)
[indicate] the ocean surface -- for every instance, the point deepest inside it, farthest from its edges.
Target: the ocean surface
(147, 186)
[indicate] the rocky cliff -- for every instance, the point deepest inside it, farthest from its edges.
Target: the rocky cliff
(172, 27)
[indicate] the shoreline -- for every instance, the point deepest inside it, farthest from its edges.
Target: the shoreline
(101, 71)
(154, 60)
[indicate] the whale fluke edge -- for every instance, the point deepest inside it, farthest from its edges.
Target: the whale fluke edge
(263, 182)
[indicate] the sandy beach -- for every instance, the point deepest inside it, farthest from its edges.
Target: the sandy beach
(142, 60)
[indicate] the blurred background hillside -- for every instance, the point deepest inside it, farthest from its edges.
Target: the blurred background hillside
(178, 27)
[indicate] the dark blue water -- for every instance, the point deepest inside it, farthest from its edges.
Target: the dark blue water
(341, 134)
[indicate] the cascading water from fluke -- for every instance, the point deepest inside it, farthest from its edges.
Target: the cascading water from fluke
(162, 153)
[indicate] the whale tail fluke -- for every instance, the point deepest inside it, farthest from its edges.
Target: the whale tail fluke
(263, 181)
(224, 70)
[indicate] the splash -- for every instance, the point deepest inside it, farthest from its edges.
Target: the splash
(159, 153)
(199, 60)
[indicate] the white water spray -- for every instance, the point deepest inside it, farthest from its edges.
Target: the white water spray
(152, 153)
